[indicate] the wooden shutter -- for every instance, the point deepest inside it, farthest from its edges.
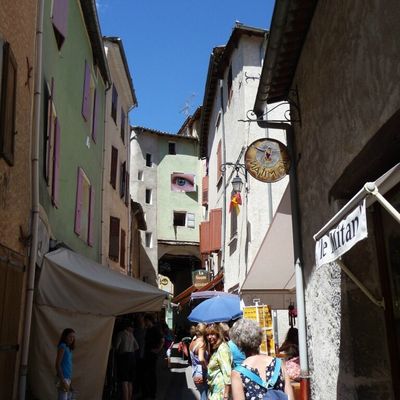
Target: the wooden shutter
(219, 161)
(95, 115)
(91, 217)
(8, 105)
(127, 193)
(123, 117)
(86, 92)
(114, 103)
(205, 190)
(78, 205)
(60, 20)
(122, 180)
(215, 229)
(113, 251)
(122, 252)
(48, 129)
(113, 169)
(55, 188)
(190, 220)
(205, 237)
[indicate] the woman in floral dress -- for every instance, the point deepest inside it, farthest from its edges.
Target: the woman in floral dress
(220, 364)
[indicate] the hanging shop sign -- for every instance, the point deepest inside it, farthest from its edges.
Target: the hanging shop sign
(349, 231)
(267, 160)
(200, 278)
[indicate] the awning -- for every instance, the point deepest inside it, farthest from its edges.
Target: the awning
(76, 292)
(272, 271)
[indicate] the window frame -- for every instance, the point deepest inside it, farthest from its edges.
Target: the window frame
(172, 151)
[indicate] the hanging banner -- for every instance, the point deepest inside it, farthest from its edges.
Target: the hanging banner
(343, 237)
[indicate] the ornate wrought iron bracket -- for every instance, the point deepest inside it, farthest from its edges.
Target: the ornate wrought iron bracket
(247, 77)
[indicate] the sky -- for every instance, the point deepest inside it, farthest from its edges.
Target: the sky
(168, 45)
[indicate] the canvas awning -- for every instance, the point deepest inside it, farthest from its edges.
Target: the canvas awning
(272, 271)
(76, 292)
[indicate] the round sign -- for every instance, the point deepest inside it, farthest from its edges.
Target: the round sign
(267, 160)
(164, 281)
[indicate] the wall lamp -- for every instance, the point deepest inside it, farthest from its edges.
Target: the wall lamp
(237, 182)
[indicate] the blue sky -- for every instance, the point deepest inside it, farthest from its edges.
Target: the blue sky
(168, 45)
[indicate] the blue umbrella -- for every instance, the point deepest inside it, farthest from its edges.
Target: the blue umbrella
(217, 309)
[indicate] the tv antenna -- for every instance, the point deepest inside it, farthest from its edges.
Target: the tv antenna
(188, 105)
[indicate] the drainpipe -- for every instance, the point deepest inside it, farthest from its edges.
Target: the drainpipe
(35, 203)
(297, 246)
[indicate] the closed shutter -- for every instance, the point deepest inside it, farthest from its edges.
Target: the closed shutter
(55, 189)
(122, 253)
(113, 169)
(219, 161)
(205, 190)
(205, 237)
(8, 105)
(86, 92)
(95, 115)
(60, 20)
(91, 217)
(113, 251)
(78, 205)
(215, 229)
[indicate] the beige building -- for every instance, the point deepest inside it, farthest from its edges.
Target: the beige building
(120, 99)
(17, 60)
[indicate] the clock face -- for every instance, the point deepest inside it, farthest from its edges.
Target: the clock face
(267, 160)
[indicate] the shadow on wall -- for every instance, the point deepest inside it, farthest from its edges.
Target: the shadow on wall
(146, 268)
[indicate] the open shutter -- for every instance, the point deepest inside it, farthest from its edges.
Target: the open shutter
(113, 250)
(122, 253)
(205, 237)
(205, 190)
(113, 169)
(219, 161)
(86, 92)
(60, 19)
(215, 229)
(91, 217)
(55, 188)
(78, 205)
(95, 114)
(122, 180)
(123, 119)
(127, 194)
(49, 93)
(190, 220)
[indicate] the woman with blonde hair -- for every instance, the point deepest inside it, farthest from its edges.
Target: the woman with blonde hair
(199, 358)
(220, 364)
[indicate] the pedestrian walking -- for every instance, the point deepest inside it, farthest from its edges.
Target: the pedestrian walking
(63, 364)
(237, 355)
(290, 350)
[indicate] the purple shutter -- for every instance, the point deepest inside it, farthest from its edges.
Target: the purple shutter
(78, 205)
(91, 217)
(55, 189)
(49, 132)
(86, 92)
(95, 113)
(60, 16)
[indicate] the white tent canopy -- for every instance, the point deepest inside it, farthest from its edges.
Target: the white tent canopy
(78, 293)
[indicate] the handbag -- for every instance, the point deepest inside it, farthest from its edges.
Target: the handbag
(271, 394)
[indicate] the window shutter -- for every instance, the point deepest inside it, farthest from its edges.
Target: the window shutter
(60, 19)
(122, 180)
(78, 206)
(8, 105)
(190, 220)
(114, 163)
(113, 251)
(205, 190)
(95, 113)
(55, 188)
(86, 92)
(49, 93)
(91, 217)
(127, 194)
(122, 253)
(114, 103)
(123, 122)
(205, 237)
(219, 161)
(215, 229)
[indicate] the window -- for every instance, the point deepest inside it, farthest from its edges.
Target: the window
(149, 161)
(60, 20)
(113, 169)
(149, 240)
(113, 249)
(140, 175)
(179, 218)
(123, 122)
(171, 148)
(84, 208)
(122, 249)
(8, 69)
(114, 104)
(149, 197)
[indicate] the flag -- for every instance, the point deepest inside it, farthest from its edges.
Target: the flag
(236, 201)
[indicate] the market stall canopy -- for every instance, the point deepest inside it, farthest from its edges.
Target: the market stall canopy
(272, 272)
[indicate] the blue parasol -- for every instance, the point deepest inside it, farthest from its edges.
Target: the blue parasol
(217, 309)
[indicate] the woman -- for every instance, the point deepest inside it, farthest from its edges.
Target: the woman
(290, 350)
(65, 347)
(199, 357)
(244, 386)
(237, 355)
(219, 366)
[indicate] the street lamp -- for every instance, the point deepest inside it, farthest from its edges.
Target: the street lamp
(237, 182)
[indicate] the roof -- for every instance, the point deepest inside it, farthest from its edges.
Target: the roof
(142, 129)
(93, 29)
(219, 61)
(190, 120)
(289, 27)
(118, 42)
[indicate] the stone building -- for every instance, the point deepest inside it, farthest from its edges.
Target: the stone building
(338, 65)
